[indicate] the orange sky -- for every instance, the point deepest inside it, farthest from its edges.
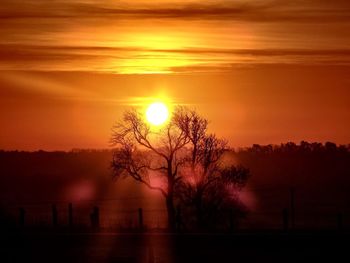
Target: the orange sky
(261, 71)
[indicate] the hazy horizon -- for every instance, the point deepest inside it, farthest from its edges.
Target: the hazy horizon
(238, 148)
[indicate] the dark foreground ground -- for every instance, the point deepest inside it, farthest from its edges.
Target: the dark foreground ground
(159, 247)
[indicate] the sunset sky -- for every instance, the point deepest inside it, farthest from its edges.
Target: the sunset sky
(261, 71)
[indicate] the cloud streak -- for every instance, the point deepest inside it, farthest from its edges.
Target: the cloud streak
(99, 58)
(142, 37)
(268, 11)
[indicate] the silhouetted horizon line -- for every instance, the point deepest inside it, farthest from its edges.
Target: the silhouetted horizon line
(238, 148)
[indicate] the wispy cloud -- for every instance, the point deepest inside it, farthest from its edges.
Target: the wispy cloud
(255, 10)
(170, 36)
(120, 59)
(318, 10)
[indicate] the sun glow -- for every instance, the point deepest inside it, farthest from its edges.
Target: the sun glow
(157, 113)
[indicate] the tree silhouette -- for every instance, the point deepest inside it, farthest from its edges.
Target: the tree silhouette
(182, 155)
(144, 153)
(208, 183)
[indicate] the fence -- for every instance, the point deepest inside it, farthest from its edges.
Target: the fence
(275, 211)
(94, 214)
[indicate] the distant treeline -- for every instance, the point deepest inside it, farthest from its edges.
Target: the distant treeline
(289, 147)
(319, 172)
(303, 147)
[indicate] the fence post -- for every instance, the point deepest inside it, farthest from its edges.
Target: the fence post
(70, 215)
(178, 219)
(292, 206)
(140, 218)
(232, 221)
(340, 221)
(54, 215)
(285, 219)
(22, 214)
(95, 218)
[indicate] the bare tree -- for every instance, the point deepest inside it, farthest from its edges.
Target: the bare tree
(142, 152)
(181, 153)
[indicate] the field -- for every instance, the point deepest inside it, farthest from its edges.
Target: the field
(163, 247)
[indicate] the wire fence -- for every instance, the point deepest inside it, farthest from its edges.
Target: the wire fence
(117, 214)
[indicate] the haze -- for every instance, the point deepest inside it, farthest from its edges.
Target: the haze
(261, 71)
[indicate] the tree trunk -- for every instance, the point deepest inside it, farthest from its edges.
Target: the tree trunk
(199, 214)
(169, 200)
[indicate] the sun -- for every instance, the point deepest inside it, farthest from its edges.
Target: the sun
(157, 113)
